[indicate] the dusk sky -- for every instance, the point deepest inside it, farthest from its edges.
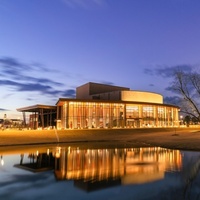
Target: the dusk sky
(49, 47)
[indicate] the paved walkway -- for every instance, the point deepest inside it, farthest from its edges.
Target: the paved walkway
(176, 138)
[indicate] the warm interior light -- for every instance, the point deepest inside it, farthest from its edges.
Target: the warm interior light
(2, 161)
(58, 152)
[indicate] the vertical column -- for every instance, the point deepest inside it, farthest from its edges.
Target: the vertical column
(124, 116)
(156, 115)
(67, 115)
(90, 107)
(172, 117)
(57, 118)
(34, 121)
(64, 115)
(111, 113)
(141, 120)
(47, 118)
(50, 116)
(24, 118)
(42, 117)
(70, 114)
(165, 116)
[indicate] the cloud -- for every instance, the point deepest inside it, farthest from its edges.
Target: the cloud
(8, 82)
(39, 67)
(149, 71)
(84, 3)
(24, 77)
(167, 72)
(107, 83)
(7, 96)
(9, 64)
(38, 80)
(8, 61)
(151, 85)
(69, 93)
(2, 109)
(22, 184)
(36, 87)
(11, 67)
(29, 99)
(173, 100)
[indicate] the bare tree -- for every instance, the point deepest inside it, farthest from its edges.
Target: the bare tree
(187, 85)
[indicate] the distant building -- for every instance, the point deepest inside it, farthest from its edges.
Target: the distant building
(105, 106)
(1, 122)
(10, 123)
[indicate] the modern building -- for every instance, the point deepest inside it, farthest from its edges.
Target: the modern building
(41, 116)
(105, 106)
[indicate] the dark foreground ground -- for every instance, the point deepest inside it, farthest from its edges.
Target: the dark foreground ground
(173, 138)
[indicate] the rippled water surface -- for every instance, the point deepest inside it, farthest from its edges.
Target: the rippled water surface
(75, 172)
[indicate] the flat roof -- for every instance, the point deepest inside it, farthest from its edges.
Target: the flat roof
(36, 108)
(61, 101)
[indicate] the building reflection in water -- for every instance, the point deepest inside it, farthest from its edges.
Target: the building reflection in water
(38, 162)
(93, 168)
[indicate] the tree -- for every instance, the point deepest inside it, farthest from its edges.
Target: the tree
(187, 85)
(187, 120)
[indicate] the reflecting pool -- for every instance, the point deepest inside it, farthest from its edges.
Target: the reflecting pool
(75, 172)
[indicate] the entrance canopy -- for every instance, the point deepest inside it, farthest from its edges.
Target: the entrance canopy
(46, 114)
(36, 108)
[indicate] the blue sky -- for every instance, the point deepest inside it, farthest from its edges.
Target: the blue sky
(49, 47)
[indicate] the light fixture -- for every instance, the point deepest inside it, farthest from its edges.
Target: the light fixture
(2, 161)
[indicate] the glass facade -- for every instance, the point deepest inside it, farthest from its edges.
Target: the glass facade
(82, 115)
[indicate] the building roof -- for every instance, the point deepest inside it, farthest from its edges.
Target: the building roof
(36, 108)
(61, 101)
(90, 90)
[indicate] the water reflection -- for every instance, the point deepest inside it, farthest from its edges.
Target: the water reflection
(127, 166)
(37, 162)
(104, 167)
(2, 161)
(151, 169)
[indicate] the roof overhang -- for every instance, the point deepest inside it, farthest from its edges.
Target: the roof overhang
(62, 101)
(36, 108)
